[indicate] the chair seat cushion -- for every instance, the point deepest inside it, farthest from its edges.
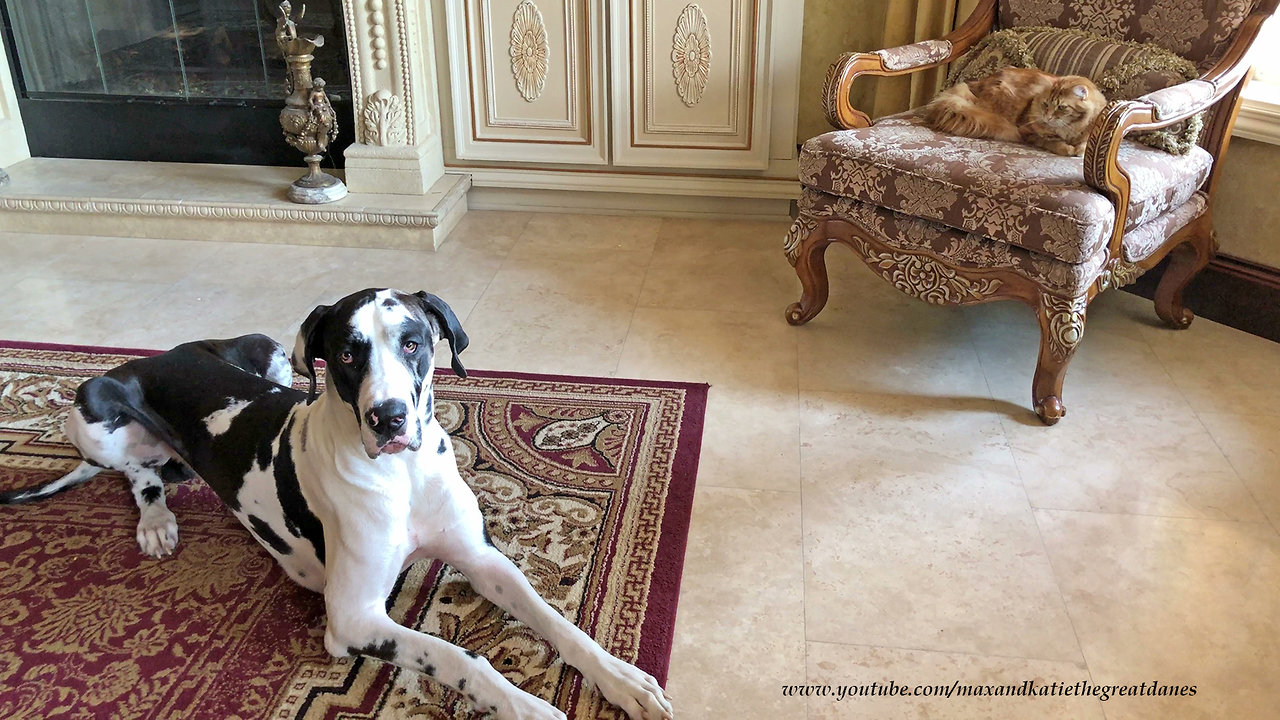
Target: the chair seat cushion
(963, 250)
(1009, 192)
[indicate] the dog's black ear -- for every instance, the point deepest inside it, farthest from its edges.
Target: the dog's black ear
(309, 346)
(449, 325)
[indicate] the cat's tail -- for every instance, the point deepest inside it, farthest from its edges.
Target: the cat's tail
(957, 112)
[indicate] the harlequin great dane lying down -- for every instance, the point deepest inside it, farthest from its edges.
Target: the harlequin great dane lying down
(344, 490)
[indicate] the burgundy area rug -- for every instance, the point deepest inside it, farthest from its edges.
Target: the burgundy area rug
(586, 484)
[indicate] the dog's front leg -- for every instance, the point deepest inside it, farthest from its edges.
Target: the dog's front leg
(495, 577)
(355, 595)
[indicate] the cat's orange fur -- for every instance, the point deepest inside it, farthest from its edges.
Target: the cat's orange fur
(1021, 105)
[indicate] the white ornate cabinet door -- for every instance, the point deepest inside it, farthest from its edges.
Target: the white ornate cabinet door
(691, 83)
(527, 79)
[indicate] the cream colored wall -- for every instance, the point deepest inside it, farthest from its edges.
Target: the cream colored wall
(832, 27)
(1247, 209)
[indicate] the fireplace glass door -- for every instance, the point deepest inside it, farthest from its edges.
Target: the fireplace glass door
(175, 80)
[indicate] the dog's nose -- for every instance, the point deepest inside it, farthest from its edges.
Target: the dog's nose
(387, 418)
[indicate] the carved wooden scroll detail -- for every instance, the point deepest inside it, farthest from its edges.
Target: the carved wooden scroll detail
(1065, 318)
(922, 277)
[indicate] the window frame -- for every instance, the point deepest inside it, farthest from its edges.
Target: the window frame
(1259, 117)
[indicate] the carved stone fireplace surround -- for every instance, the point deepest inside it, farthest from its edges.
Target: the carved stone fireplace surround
(401, 195)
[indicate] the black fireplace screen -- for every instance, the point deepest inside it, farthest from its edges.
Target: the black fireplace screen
(117, 64)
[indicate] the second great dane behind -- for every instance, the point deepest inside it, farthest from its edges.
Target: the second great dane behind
(345, 490)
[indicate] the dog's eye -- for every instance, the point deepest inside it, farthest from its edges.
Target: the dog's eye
(410, 347)
(346, 358)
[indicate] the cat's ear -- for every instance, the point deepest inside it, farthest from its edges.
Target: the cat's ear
(1081, 92)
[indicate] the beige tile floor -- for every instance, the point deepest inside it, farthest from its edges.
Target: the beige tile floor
(875, 502)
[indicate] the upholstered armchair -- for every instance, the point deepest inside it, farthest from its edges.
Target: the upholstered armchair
(957, 221)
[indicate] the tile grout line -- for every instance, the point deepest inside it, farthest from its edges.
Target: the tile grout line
(1196, 413)
(1022, 482)
(1044, 547)
(1267, 516)
(1264, 522)
(506, 257)
(1053, 572)
(748, 489)
(966, 653)
(804, 549)
(769, 491)
(1145, 342)
(635, 309)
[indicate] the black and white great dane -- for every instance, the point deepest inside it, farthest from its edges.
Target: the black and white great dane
(344, 490)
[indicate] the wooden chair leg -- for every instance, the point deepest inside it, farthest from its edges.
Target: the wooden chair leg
(1185, 262)
(1061, 329)
(811, 268)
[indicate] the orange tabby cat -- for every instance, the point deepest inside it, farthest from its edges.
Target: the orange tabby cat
(1021, 105)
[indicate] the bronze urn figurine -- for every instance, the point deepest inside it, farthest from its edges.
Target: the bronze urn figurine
(308, 119)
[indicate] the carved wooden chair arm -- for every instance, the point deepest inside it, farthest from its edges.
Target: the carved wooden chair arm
(1157, 110)
(1153, 111)
(897, 61)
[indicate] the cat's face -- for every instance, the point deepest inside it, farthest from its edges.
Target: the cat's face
(1071, 103)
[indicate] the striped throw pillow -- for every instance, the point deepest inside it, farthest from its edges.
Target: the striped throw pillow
(1123, 70)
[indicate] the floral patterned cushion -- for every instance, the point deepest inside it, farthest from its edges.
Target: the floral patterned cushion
(1009, 192)
(1197, 29)
(1138, 244)
(971, 250)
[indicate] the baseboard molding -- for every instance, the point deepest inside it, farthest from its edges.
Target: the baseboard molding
(1247, 270)
(638, 183)
(612, 203)
(1258, 120)
(1235, 292)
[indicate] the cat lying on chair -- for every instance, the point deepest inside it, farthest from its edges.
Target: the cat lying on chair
(1021, 105)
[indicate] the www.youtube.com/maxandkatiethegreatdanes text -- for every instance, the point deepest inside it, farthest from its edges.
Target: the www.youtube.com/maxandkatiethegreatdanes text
(957, 689)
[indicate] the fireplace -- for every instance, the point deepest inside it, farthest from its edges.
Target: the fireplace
(164, 80)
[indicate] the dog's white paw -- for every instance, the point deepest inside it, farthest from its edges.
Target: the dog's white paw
(157, 532)
(634, 690)
(520, 705)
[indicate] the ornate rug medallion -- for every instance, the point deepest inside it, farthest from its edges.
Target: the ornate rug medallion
(587, 485)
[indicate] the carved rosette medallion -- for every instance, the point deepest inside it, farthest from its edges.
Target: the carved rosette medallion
(383, 119)
(691, 54)
(922, 277)
(529, 51)
(1065, 322)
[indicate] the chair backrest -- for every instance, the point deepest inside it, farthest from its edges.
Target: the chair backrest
(1199, 30)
